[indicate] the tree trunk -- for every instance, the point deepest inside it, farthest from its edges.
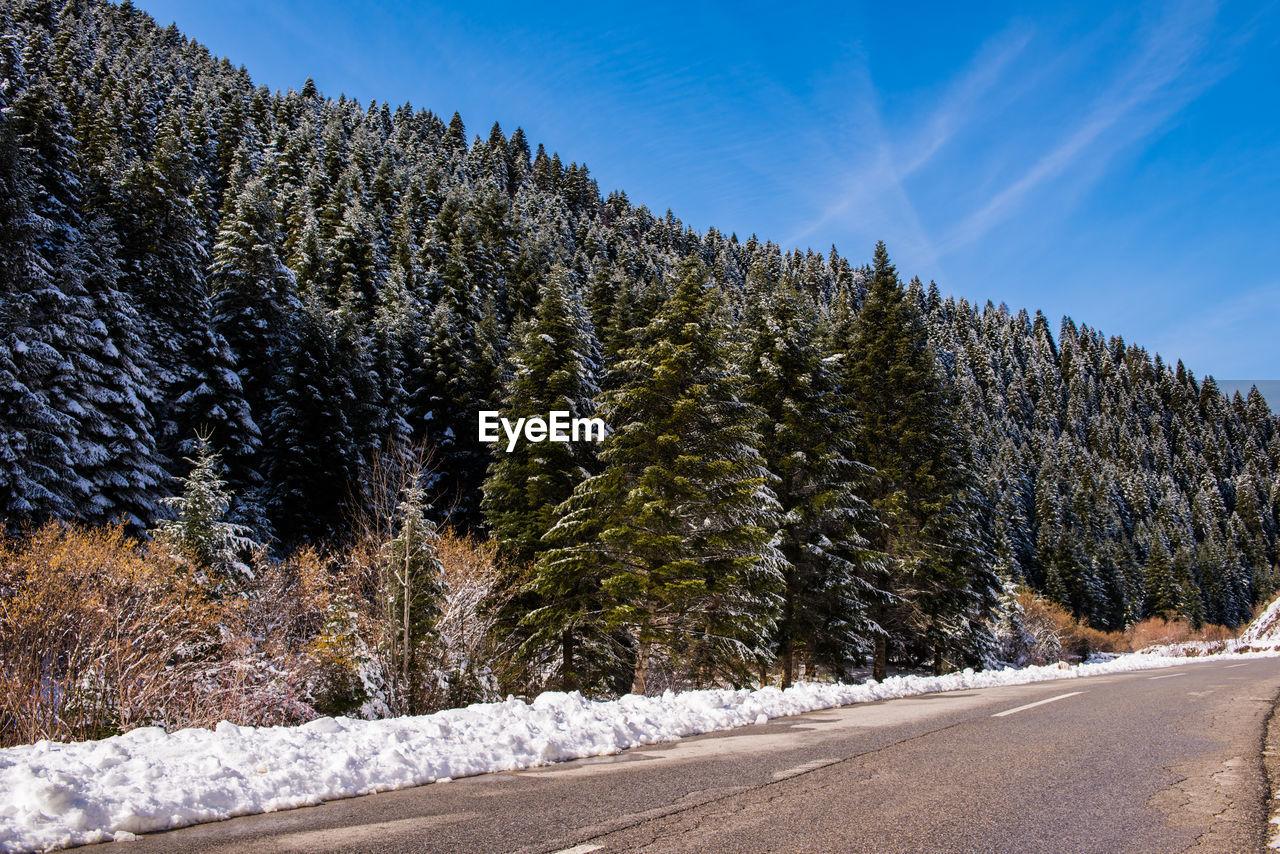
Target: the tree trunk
(881, 666)
(786, 645)
(568, 680)
(937, 660)
(640, 683)
(408, 592)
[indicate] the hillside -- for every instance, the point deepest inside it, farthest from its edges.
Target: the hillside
(315, 283)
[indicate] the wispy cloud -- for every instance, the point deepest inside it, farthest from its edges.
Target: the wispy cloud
(877, 180)
(982, 146)
(1153, 87)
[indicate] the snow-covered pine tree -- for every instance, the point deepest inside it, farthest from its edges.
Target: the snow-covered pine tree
(200, 532)
(456, 378)
(554, 367)
(412, 586)
(831, 578)
(164, 137)
(253, 291)
(206, 398)
(677, 527)
(313, 446)
(922, 487)
(118, 387)
(37, 428)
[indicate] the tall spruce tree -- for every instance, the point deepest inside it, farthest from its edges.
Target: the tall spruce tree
(253, 292)
(922, 487)
(554, 367)
(831, 578)
(37, 430)
(677, 527)
(314, 452)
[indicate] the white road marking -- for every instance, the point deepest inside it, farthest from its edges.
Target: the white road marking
(1230, 666)
(584, 848)
(1033, 705)
(1168, 676)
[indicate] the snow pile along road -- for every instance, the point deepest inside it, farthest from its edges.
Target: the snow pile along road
(56, 795)
(1263, 632)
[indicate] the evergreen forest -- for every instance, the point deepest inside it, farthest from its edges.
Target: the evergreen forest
(254, 324)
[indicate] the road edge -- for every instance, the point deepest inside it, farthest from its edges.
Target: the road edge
(1271, 776)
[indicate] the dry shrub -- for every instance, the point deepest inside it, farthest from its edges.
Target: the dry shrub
(1173, 629)
(1052, 634)
(283, 659)
(1214, 633)
(472, 579)
(100, 633)
(97, 635)
(1158, 631)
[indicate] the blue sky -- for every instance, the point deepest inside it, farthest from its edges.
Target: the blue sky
(1118, 166)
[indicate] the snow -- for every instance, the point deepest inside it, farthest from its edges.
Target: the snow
(55, 795)
(1263, 632)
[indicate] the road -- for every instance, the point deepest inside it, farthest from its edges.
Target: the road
(1154, 761)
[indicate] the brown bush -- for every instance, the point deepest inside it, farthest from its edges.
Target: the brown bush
(1172, 629)
(97, 635)
(472, 579)
(100, 633)
(1053, 634)
(291, 645)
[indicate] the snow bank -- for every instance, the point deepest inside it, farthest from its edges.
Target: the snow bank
(1265, 630)
(56, 795)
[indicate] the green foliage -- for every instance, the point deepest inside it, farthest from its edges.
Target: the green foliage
(921, 487)
(831, 577)
(676, 529)
(200, 532)
(553, 367)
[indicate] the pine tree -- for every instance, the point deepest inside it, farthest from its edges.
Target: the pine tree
(676, 528)
(456, 378)
(922, 488)
(206, 398)
(413, 586)
(1165, 594)
(314, 453)
(554, 367)
(253, 291)
(120, 453)
(200, 532)
(141, 178)
(830, 577)
(37, 430)
(73, 400)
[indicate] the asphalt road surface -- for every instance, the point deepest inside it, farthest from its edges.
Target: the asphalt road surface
(1163, 760)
